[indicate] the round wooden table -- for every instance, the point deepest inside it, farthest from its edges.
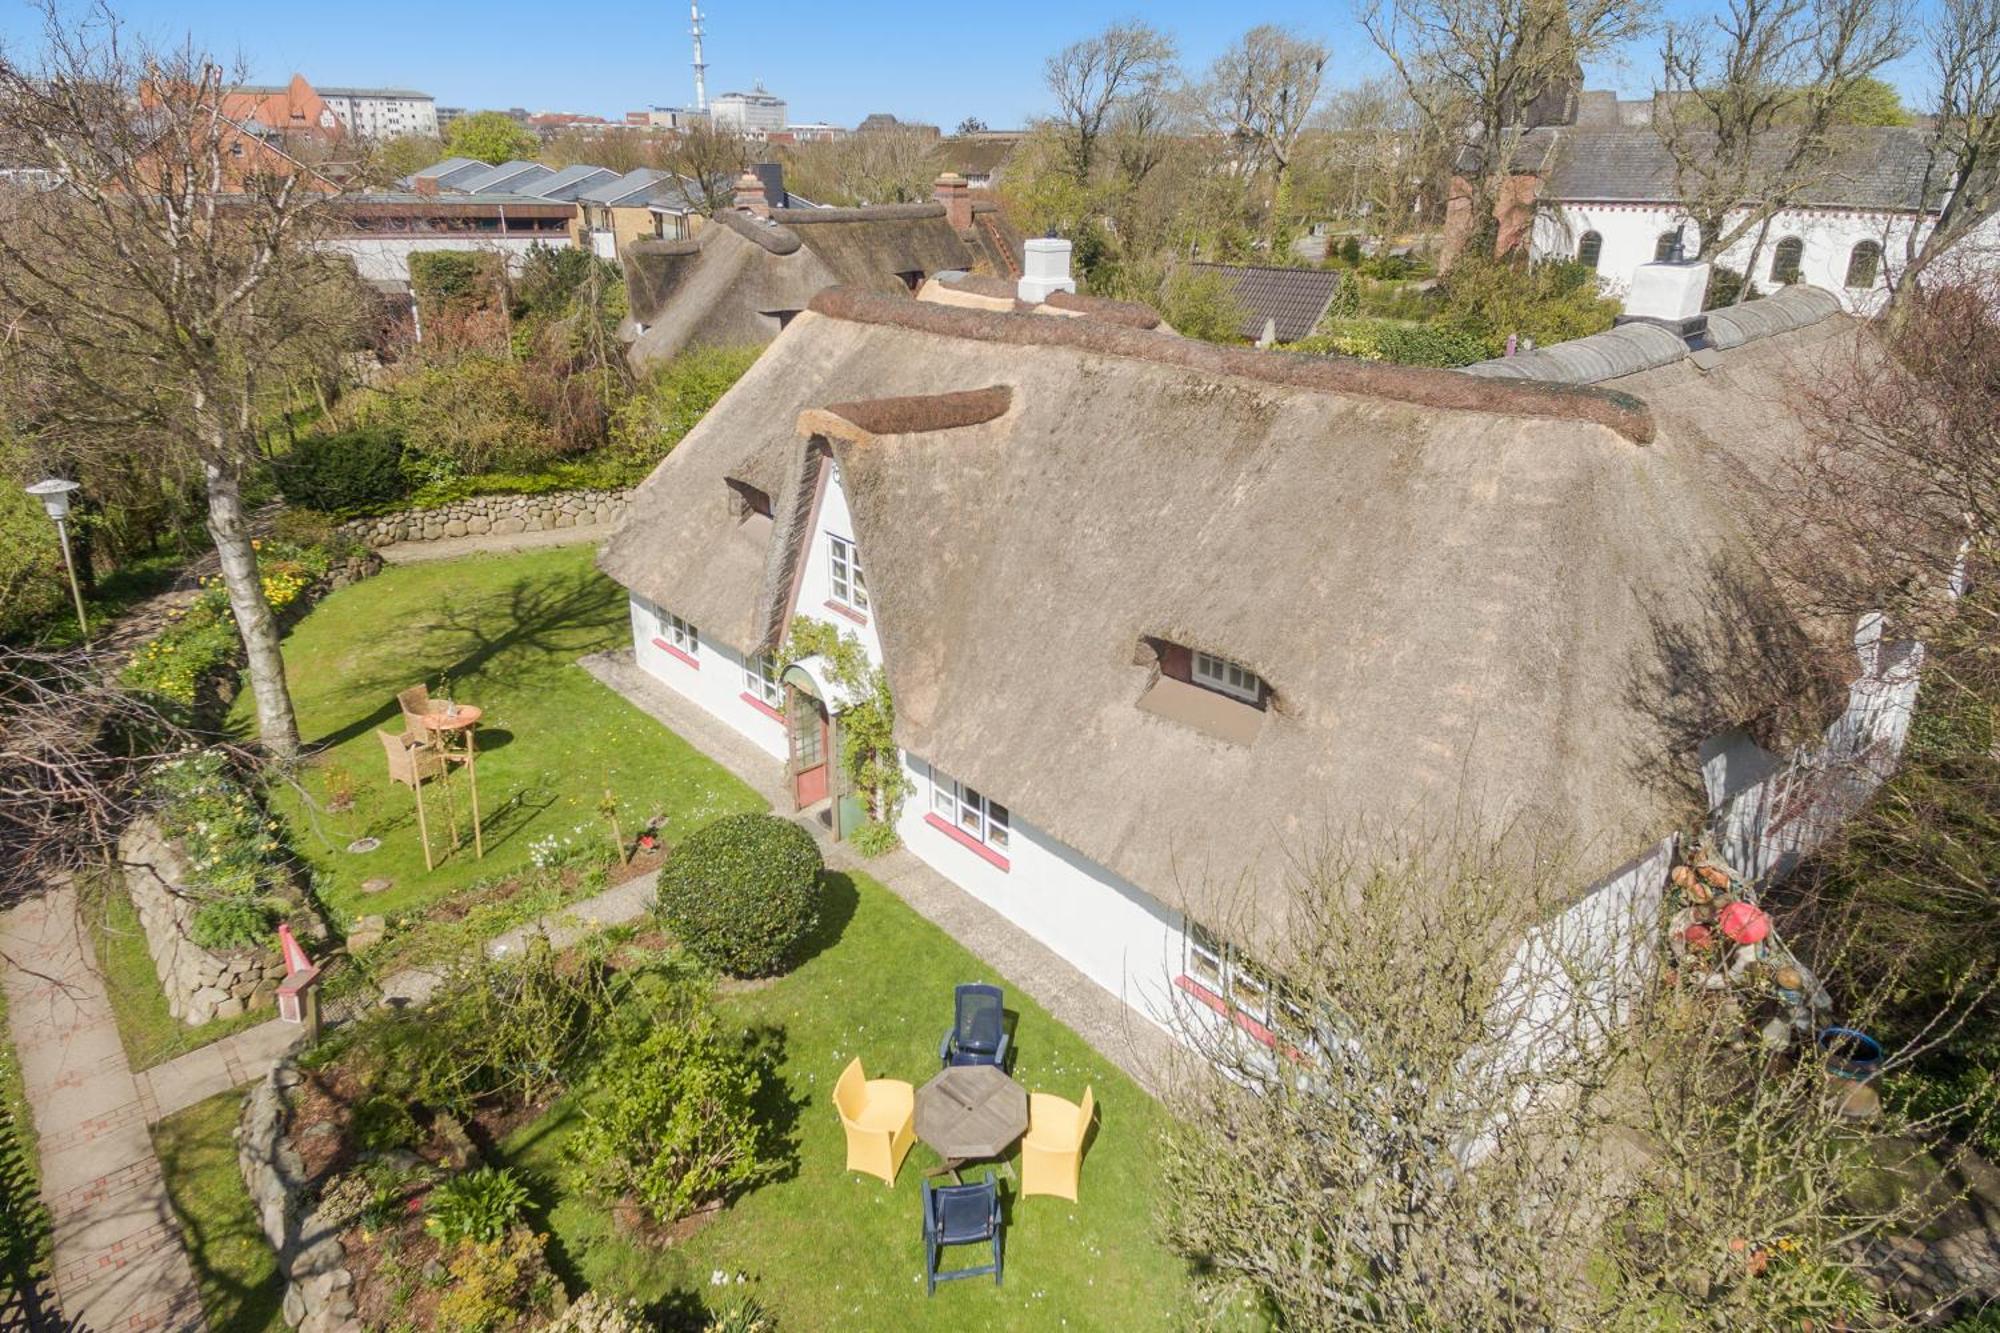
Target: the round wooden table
(448, 722)
(971, 1113)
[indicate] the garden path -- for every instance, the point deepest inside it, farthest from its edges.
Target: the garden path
(1143, 1051)
(118, 1259)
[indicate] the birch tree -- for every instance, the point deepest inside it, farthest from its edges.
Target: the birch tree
(1962, 42)
(1093, 78)
(162, 280)
(1752, 100)
(1261, 92)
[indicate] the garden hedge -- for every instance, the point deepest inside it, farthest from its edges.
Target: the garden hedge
(743, 893)
(344, 473)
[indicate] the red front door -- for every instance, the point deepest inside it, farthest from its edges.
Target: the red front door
(809, 746)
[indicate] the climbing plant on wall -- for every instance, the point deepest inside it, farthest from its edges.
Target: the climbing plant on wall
(867, 741)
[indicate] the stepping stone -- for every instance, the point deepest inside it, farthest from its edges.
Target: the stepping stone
(379, 884)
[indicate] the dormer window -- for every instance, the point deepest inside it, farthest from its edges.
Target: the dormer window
(745, 499)
(1230, 678)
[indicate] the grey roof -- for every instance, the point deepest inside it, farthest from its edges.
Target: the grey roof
(374, 92)
(1878, 167)
(1293, 299)
(513, 175)
(450, 172)
(634, 187)
(1631, 349)
(571, 181)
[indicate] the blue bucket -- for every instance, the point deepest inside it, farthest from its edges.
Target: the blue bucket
(1849, 1053)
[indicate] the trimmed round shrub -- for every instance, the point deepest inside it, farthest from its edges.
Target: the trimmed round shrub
(743, 893)
(344, 473)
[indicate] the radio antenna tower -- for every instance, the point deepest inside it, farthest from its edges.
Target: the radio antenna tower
(700, 68)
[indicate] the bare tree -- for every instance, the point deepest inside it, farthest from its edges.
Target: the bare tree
(1751, 100)
(1092, 78)
(709, 159)
(165, 280)
(1962, 41)
(1474, 68)
(1262, 92)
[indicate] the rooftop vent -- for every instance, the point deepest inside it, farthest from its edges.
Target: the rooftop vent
(1044, 269)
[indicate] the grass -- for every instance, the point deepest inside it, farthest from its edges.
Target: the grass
(241, 1290)
(24, 1225)
(822, 1248)
(505, 632)
(150, 1034)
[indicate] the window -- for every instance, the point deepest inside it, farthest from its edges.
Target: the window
(983, 820)
(760, 679)
(1250, 992)
(1664, 247)
(1589, 249)
(745, 499)
(679, 633)
(1787, 259)
(850, 587)
(1227, 677)
(1864, 263)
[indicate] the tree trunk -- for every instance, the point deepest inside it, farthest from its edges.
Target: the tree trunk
(255, 625)
(1750, 264)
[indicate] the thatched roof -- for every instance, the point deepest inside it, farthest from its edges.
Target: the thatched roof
(1460, 591)
(742, 275)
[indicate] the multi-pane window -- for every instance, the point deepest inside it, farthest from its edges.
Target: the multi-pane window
(972, 814)
(1665, 244)
(1589, 249)
(679, 633)
(1227, 677)
(1864, 262)
(1787, 259)
(760, 679)
(850, 587)
(1227, 973)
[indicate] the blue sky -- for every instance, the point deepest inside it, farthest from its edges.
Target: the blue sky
(835, 60)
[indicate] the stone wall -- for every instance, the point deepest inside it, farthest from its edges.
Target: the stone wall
(310, 1256)
(484, 514)
(199, 985)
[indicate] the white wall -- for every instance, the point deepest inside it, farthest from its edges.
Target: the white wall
(1830, 235)
(387, 258)
(717, 684)
(831, 518)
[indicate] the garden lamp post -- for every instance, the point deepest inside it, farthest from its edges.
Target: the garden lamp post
(54, 495)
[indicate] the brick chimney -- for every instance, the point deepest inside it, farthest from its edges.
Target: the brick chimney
(750, 195)
(955, 194)
(424, 184)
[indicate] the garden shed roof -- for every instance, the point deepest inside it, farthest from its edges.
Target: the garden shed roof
(1471, 598)
(1291, 299)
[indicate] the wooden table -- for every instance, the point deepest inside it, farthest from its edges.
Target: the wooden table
(446, 721)
(971, 1113)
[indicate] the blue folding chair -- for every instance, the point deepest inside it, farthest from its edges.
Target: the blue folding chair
(978, 1036)
(961, 1215)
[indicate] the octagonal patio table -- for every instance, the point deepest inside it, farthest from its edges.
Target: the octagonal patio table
(971, 1113)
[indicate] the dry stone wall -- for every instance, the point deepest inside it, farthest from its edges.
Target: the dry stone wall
(200, 985)
(318, 1287)
(498, 514)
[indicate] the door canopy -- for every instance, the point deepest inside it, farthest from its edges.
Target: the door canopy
(812, 675)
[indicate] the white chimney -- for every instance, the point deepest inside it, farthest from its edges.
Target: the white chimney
(1044, 269)
(1666, 292)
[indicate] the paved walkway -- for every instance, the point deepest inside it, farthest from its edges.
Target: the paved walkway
(491, 543)
(1132, 1043)
(119, 1262)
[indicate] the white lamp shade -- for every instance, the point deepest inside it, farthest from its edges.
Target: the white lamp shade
(54, 495)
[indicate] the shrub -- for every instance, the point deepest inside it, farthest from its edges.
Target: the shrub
(674, 397)
(496, 1284)
(382, 1124)
(669, 1119)
(743, 892)
(1429, 345)
(240, 921)
(480, 1205)
(1200, 303)
(344, 473)
(470, 414)
(873, 838)
(743, 1315)
(1550, 302)
(1350, 251)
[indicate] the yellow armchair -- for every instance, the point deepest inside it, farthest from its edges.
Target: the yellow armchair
(880, 1117)
(1052, 1153)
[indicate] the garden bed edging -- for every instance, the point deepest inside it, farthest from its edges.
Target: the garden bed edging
(200, 985)
(479, 515)
(311, 1258)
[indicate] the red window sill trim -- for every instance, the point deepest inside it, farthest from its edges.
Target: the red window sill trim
(761, 706)
(960, 836)
(1227, 1010)
(847, 611)
(666, 647)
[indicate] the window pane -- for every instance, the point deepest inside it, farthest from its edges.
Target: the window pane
(944, 796)
(996, 824)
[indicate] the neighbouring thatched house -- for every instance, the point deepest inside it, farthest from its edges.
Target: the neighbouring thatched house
(1156, 612)
(740, 281)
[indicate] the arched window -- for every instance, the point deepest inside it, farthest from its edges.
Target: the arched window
(1786, 259)
(1664, 247)
(1588, 249)
(1864, 263)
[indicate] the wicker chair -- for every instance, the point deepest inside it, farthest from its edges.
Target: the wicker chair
(413, 764)
(415, 703)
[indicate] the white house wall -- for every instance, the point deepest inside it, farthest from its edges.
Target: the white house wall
(831, 518)
(387, 259)
(714, 679)
(1630, 231)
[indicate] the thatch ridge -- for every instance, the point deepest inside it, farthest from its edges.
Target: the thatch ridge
(779, 240)
(1129, 313)
(917, 414)
(791, 217)
(1443, 389)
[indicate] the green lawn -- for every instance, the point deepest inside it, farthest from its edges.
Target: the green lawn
(826, 1249)
(151, 1034)
(24, 1224)
(241, 1291)
(506, 631)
